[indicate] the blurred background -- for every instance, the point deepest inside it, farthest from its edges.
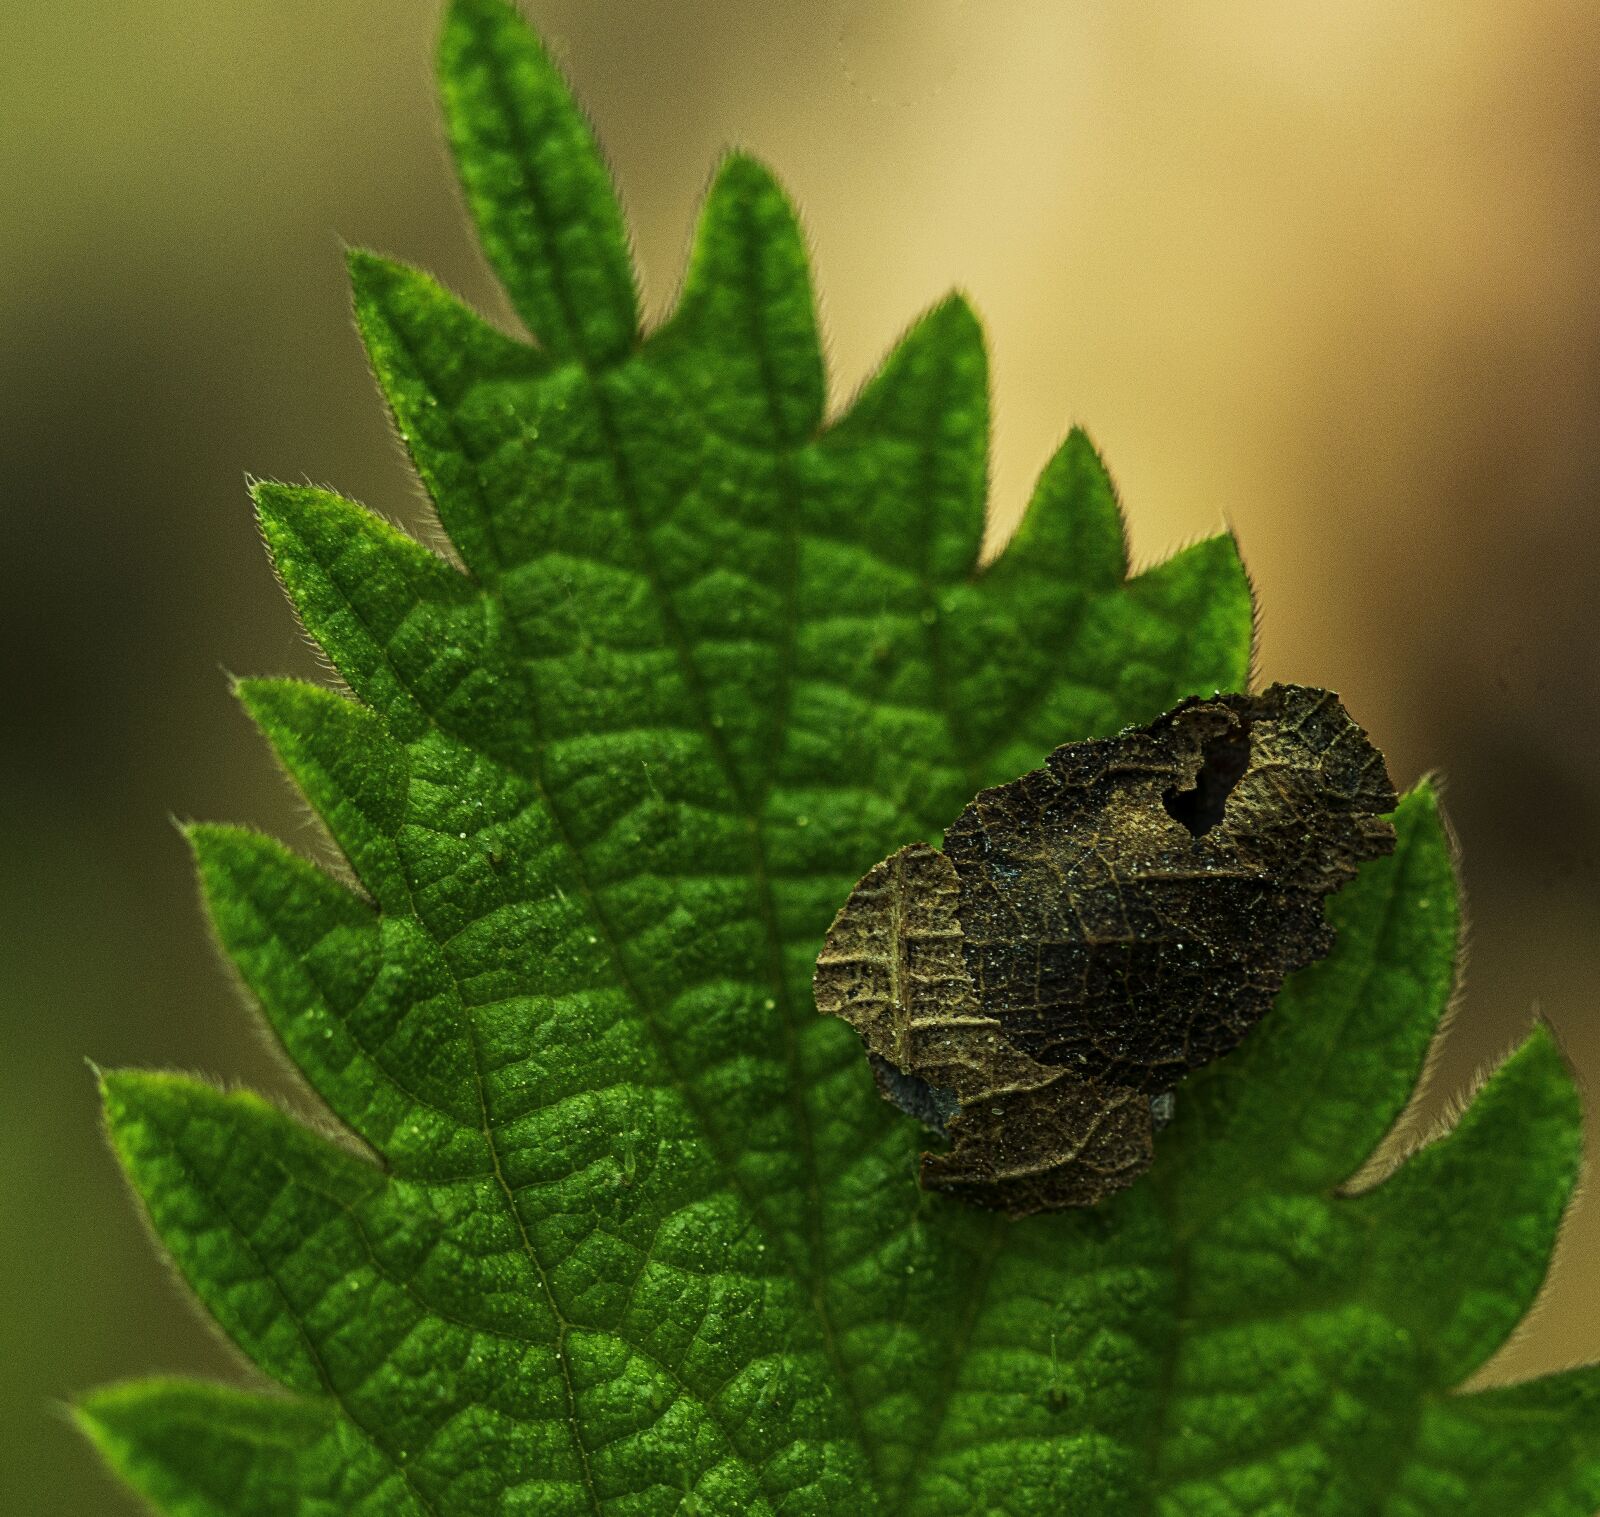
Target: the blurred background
(1327, 273)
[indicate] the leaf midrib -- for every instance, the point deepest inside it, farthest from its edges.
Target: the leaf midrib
(490, 586)
(626, 983)
(811, 1261)
(564, 1325)
(749, 806)
(811, 1265)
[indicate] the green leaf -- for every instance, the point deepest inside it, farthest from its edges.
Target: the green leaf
(612, 1222)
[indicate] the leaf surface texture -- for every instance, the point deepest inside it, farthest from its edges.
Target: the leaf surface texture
(618, 1225)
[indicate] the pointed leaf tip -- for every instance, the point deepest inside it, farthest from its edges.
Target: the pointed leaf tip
(740, 172)
(364, 265)
(932, 385)
(537, 186)
(198, 1450)
(1071, 532)
(956, 312)
(436, 362)
(345, 764)
(122, 1090)
(1465, 1228)
(743, 339)
(279, 507)
(927, 408)
(1209, 581)
(375, 278)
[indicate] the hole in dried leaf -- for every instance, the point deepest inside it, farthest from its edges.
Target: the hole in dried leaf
(1227, 756)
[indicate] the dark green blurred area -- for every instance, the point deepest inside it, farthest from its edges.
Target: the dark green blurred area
(1328, 273)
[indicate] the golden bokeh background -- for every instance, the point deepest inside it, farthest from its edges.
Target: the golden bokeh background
(1324, 272)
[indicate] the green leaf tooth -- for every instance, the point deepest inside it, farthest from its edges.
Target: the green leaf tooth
(196, 1450)
(411, 635)
(916, 439)
(348, 767)
(1302, 1110)
(397, 1301)
(1531, 1449)
(1463, 1232)
(537, 187)
(365, 1008)
(1006, 631)
(460, 393)
(410, 310)
(212, 1171)
(660, 1240)
(1071, 536)
(743, 341)
(226, 855)
(355, 582)
(1181, 628)
(1202, 594)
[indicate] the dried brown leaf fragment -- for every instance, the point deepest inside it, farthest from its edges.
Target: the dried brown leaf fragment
(1097, 929)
